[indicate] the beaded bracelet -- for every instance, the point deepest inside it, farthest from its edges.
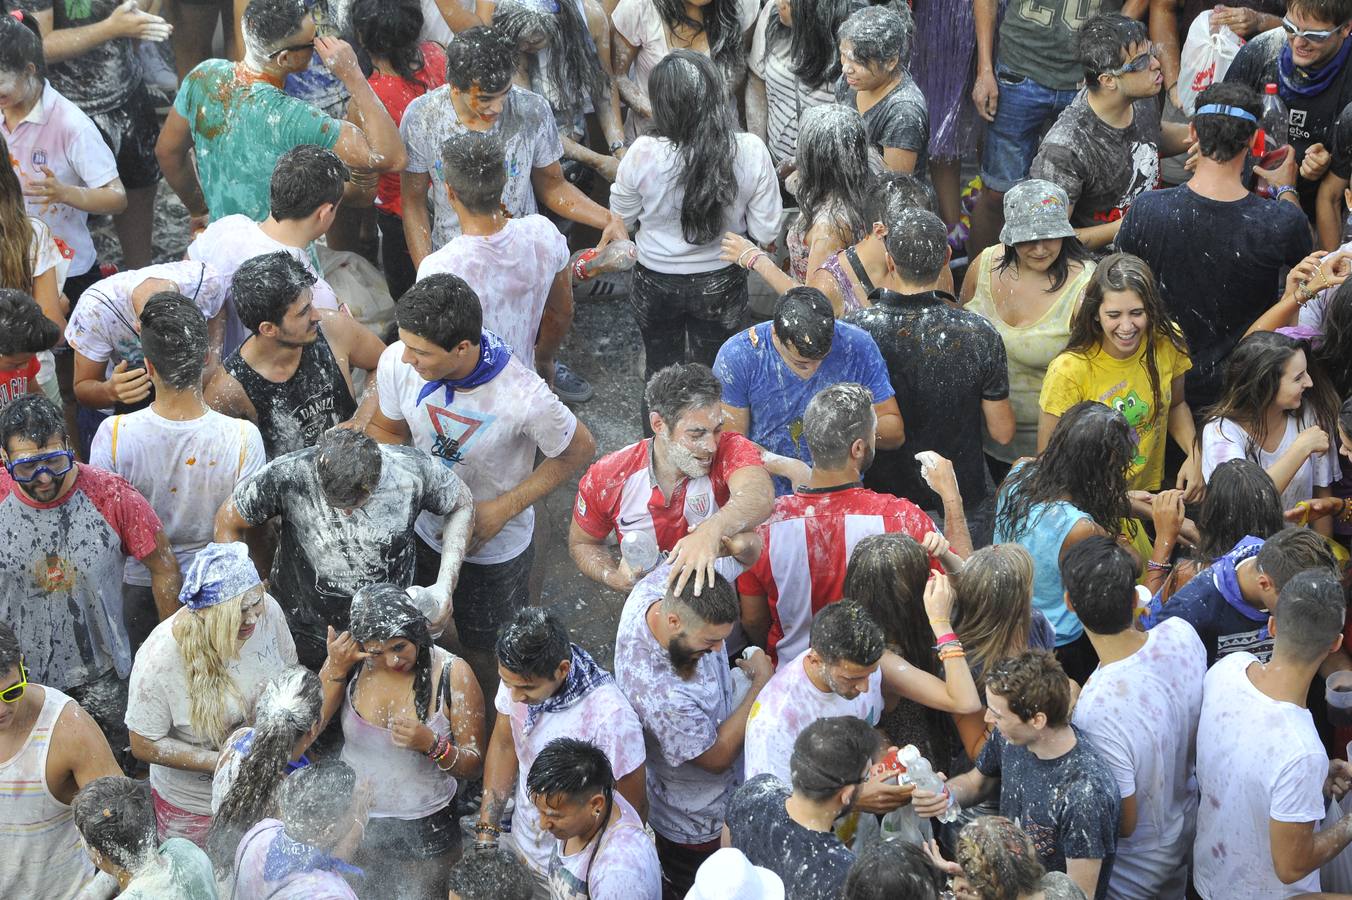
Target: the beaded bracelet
(494, 830)
(1345, 514)
(453, 762)
(1158, 566)
(952, 653)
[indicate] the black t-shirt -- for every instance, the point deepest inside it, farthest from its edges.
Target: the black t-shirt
(1219, 265)
(1069, 805)
(812, 864)
(943, 362)
(1341, 164)
(100, 79)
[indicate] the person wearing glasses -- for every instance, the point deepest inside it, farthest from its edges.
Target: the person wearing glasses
(1104, 150)
(1307, 59)
(66, 531)
(46, 741)
(238, 121)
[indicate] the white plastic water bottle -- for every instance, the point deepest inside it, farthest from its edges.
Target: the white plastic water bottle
(920, 773)
(638, 549)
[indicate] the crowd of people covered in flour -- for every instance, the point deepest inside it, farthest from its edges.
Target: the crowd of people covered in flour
(675, 450)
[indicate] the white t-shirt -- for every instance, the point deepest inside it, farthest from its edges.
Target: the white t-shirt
(58, 135)
(603, 717)
(625, 866)
(157, 700)
(231, 241)
(1140, 714)
(185, 469)
(1224, 439)
(1257, 759)
(680, 720)
(488, 434)
(790, 703)
(648, 190)
(512, 272)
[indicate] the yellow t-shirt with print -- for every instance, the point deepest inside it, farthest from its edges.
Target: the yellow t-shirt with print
(1123, 384)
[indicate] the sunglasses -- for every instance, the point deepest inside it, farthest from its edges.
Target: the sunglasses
(1314, 37)
(1139, 64)
(30, 468)
(14, 693)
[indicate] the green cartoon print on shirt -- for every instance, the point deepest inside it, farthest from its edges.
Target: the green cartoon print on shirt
(1137, 413)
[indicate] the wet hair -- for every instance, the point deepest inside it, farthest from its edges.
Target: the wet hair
(443, 309)
(845, 632)
(268, 23)
(1124, 272)
(886, 577)
(917, 243)
(490, 874)
(1032, 682)
(21, 45)
(880, 34)
(1291, 551)
(716, 605)
(1102, 42)
(305, 178)
(897, 191)
(998, 859)
(314, 803)
(1333, 356)
(1223, 137)
(287, 710)
(1085, 462)
(390, 29)
(116, 818)
(886, 870)
(1336, 12)
(265, 286)
(474, 164)
(1099, 576)
(1240, 500)
(11, 654)
(994, 611)
(690, 110)
(383, 612)
(23, 327)
(830, 754)
(1310, 614)
(834, 419)
(1253, 375)
(480, 56)
(834, 177)
(721, 26)
(174, 339)
(804, 320)
(17, 232)
(34, 418)
(572, 768)
(348, 463)
(813, 53)
(534, 644)
(676, 390)
(574, 66)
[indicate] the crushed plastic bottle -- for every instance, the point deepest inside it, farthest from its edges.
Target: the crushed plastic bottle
(920, 773)
(639, 551)
(617, 256)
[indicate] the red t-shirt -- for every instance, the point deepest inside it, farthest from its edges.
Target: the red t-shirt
(808, 540)
(14, 383)
(397, 94)
(619, 493)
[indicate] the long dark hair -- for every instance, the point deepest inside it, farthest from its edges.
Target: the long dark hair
(1085, 463)
(1334, 353)
(574, 66)
(886, 575)
(1124, 272)
(815, 59)
(833, 167)
(390, 29)
(1253, 375)
(383, 612)
(16, 231)
(1240, 500)
(1071, 251)
(690, 110)
(721, 25)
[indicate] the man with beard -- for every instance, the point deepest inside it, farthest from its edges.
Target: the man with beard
(671, 663)
(693, 487)
(66, 531)
(789, 833)
(808, 539)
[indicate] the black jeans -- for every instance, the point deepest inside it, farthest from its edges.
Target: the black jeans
(394, 258)
(487, 596)
(679, 864)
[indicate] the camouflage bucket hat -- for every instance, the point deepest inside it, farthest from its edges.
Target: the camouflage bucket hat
(1036, 210)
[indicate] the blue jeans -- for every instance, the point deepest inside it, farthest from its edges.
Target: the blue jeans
(1025, 111)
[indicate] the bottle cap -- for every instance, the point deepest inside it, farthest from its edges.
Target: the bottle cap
(1270, 89)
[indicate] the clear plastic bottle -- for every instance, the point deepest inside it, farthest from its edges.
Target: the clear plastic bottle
(617, 256)
(920, 773)
(1276, 119)
(639, 551)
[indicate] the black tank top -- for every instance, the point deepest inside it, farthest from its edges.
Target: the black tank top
(294, 413)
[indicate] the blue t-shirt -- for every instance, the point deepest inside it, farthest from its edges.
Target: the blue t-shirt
(1214, 606)
(756, 378)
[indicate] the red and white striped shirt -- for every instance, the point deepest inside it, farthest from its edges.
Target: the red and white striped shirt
(808, 541)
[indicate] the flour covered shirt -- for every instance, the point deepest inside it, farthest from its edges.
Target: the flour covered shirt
(624, 867)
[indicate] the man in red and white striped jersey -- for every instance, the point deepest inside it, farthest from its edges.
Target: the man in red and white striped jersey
(693, 486)
(807, 542)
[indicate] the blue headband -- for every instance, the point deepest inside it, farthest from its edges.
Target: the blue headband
(218, 572)
(1234, 112)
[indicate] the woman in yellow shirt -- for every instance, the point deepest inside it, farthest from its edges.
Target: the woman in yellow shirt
(1125, 352)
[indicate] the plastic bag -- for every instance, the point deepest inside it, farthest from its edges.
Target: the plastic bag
(360, 286)
(1335, 876)
(1205, 59)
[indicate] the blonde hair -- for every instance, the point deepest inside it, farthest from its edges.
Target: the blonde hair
(995, 609)
(208, 643)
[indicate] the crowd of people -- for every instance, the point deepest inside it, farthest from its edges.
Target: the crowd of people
(1001, 555)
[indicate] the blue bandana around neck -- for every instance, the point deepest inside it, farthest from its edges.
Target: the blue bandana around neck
(583, 676)
(287, 857)
(493, 356)
(1294, 82)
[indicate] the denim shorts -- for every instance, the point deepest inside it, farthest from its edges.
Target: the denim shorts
(1025, 111)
